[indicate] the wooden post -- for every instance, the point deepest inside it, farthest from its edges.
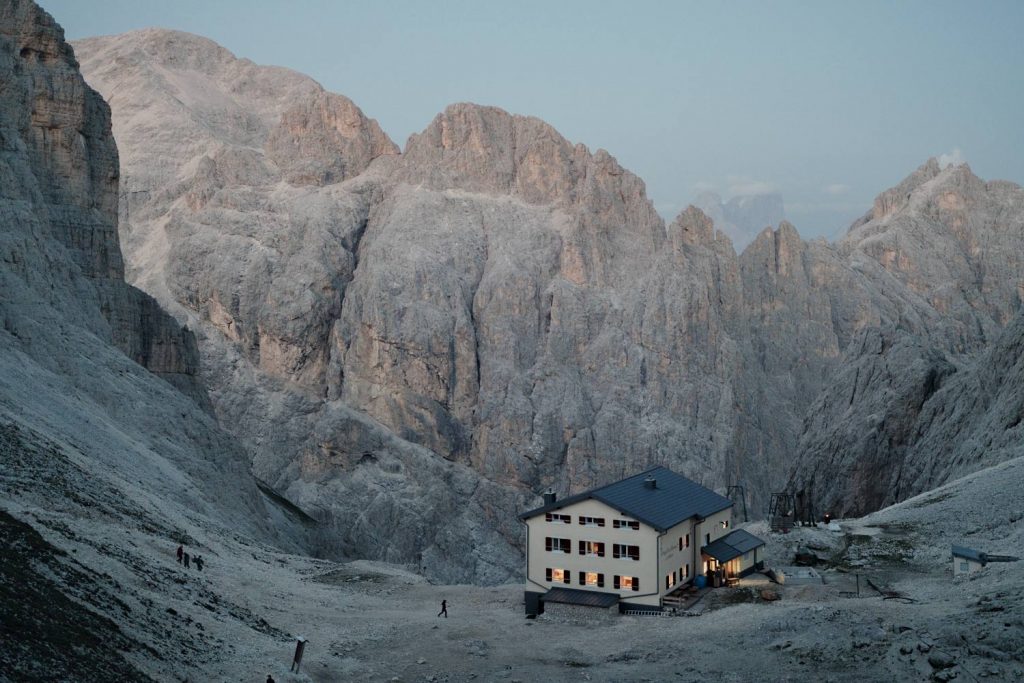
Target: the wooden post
(300, 647)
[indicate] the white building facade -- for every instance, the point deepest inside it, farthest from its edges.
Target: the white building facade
(632, 542)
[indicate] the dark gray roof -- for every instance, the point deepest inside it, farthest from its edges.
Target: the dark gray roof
(573, 596)
(732, 545)
(675, 499)
(969, 554)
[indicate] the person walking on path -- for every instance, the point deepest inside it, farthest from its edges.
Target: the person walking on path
(181, 551)
(186, 560)
(270, 679)
(199, 563)
(444, 609)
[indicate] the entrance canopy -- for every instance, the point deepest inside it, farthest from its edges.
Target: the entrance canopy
(733, 545)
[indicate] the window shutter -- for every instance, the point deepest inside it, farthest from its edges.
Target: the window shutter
(600, 580)
(566, 574)
(547, 574)
(583, 548)
(600, 521)
(547, 543)
(636, 583)
(615, 581)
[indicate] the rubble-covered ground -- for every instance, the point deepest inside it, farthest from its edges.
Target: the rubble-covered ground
(110, 572)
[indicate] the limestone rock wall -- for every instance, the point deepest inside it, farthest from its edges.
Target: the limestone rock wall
(81, 351)
(438, 334)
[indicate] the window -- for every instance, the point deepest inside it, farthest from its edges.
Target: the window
(686, 541)
(555, 517)
(592, 579)
(627, 583)
(707, 539)
(725, 524)
(685, 571)
(557, 545)
(626, 552)
(591, 521)
(556, 575)
(963, 566)
(668, 581)
(675, 578)
(595, 548)
(625, 524)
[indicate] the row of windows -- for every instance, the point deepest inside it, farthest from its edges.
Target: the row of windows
(592, 521)
(684, 541)
(677, 576)
(620, 551)
(593, 579)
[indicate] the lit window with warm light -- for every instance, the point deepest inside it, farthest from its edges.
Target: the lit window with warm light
(627, 583)
(557, 575)
(593, 579)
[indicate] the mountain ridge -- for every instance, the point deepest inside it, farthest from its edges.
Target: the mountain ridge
(499, 299)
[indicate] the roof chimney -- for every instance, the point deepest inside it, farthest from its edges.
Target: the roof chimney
(650, 482)
(549, 496)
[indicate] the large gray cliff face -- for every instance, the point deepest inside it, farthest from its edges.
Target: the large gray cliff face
(61, 178)
(80, 347)
(931, 393)
(411, 345)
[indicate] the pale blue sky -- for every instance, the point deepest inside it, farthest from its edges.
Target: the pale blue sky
(827, 102)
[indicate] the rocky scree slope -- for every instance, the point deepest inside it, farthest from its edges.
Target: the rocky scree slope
(103, 431)
(420, 342)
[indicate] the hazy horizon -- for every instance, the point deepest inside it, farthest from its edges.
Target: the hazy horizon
(825, 104)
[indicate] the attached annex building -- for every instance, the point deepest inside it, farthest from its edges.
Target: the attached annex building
(631, 543)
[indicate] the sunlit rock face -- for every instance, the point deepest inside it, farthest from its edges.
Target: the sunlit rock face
(411, 345)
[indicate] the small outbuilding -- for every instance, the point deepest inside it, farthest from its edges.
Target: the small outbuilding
(967, 560)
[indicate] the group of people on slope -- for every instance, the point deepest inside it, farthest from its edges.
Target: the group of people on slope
(183, 558)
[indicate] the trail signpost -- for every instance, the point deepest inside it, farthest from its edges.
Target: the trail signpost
(300, 647)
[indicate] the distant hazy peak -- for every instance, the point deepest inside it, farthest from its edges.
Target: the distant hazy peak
(742, 217)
